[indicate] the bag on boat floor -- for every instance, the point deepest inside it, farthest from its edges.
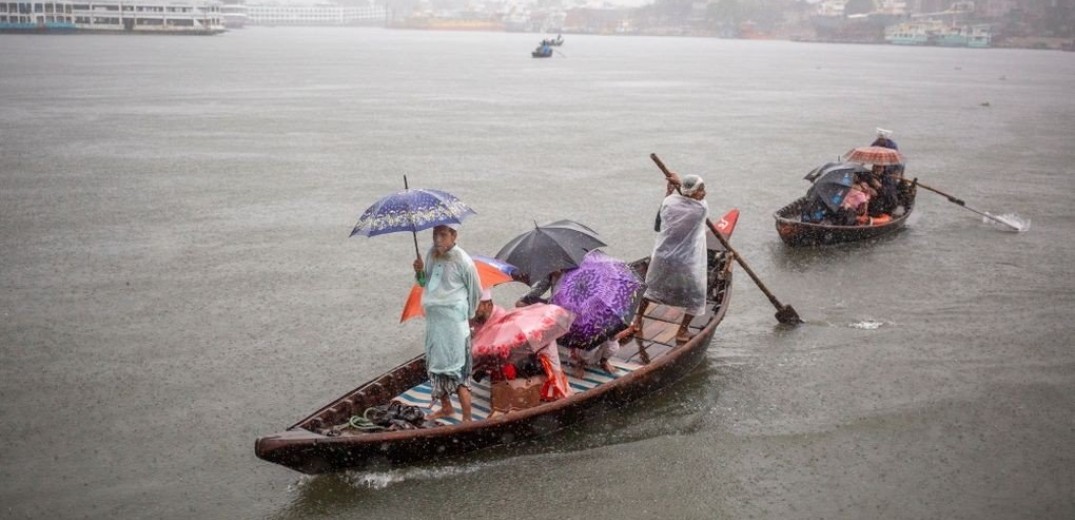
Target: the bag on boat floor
(395, 414)
(517, 394)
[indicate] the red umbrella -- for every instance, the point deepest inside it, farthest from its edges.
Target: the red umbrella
(531, 327)
(874, 155)
(490, 272)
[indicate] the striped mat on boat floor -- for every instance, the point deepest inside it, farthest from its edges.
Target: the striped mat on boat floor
(480, 392)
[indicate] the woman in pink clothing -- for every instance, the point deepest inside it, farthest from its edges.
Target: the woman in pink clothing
(853, 208)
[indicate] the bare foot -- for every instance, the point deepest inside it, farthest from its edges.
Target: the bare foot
(607, 367)
(440, 414)
(577, 371)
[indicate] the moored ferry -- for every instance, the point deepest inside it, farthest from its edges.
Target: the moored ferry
(112, 16)
(234, 14)
(936, 32)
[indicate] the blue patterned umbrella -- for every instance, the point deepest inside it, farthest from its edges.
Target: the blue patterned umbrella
(411, 210)
(603, 292)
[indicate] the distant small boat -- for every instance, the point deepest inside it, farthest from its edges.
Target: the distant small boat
(543, 51)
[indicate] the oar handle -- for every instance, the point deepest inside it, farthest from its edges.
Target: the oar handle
(950, 198)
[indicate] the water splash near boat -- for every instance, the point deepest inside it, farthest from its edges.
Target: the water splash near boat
(377, 480)
(1015, 223)
(866, 325)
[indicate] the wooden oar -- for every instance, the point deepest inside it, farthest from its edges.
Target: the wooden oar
(962, 204)
(784, 313)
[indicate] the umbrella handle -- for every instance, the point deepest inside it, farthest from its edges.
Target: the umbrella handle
(414, 233)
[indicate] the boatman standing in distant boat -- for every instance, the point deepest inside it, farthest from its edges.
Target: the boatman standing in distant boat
(449, 299)
(886, 181)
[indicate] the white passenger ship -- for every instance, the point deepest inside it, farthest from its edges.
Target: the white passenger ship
(112, 16)
(235, 14)
(292, 12)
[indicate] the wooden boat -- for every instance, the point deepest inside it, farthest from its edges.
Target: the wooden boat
(543, 51)
(794, 232)
(650, 361)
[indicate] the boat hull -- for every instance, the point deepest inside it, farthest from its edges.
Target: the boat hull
(303, 449)
(794, 232)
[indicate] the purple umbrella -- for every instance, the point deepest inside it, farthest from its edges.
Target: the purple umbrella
(603, 292)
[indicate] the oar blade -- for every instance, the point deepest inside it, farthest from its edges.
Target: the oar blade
(788, 316)
(1012, 223)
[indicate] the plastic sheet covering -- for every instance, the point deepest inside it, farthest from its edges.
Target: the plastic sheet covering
(676, 274)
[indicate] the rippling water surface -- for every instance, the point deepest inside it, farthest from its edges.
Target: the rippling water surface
(177, 276)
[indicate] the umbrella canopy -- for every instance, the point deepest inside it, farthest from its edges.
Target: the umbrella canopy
(490, 272)
(530, 328)
(550, 247)
(411, 210)
(874, 155)
(603, 292)
(832, 181)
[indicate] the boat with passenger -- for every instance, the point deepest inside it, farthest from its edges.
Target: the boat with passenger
(334, 437)
(542, 51)
(811, 221)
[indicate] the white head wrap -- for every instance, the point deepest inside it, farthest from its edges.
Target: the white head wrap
(452, 226)
(881, 132)
(487, 295)
(691, 183)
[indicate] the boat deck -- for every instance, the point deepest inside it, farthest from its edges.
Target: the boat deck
(658, 338)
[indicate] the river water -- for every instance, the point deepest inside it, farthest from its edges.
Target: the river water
(177, 277)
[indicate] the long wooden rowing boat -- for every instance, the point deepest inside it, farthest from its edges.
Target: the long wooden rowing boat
(794, 232)
(317, 444)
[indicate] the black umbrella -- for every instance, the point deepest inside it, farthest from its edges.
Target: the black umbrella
(832, 181)
(550, 247)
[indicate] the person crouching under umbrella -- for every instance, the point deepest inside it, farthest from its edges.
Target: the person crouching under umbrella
(450, 300)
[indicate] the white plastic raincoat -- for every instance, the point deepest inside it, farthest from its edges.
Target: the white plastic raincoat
(676, 274)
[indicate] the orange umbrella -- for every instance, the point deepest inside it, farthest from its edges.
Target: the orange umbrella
(490, 272)
(874, 155)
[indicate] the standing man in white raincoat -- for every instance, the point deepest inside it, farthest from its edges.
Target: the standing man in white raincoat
(449, 299)
(677, 268)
